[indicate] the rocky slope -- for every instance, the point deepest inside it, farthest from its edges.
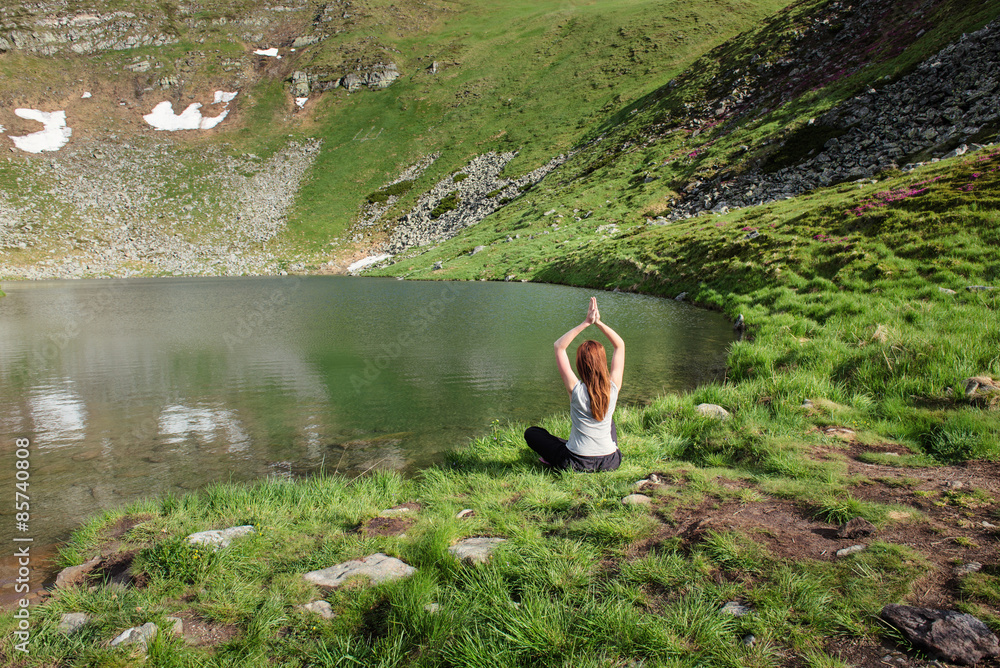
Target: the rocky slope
(948, 101)
(106, 212)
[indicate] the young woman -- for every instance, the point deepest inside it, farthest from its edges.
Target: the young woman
(593, 439)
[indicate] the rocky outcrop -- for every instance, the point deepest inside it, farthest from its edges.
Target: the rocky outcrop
(48, 33)
(218, 539)
(476, 191)
(946, 101)
(475, 550)
(375, 77)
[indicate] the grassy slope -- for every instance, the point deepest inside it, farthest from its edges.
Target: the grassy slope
(525, 76)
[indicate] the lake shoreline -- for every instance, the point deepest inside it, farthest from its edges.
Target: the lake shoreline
(575, 549)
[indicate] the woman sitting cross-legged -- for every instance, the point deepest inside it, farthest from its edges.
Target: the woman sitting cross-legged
(593, 439)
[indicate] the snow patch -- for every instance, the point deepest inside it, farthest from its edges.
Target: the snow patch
(272, 53)
(301, 101)
(365, 262)
(163, 117)
(52, 138)
(85, 95)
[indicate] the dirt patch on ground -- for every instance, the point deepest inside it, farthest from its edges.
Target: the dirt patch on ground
(125, 524)
(781, 526)
(200, 632)
(116, 568)
(386, 526)
(948, 514)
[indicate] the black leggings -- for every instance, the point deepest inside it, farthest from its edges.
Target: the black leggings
(554, 451)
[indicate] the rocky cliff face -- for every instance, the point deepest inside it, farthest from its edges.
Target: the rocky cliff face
(50, 30)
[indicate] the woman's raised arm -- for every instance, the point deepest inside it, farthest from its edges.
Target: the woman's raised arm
(618, 343)
(562, 343)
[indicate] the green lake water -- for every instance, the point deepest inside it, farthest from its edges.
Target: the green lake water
(127, 388)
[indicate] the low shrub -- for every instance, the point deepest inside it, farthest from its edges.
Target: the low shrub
(448, 203)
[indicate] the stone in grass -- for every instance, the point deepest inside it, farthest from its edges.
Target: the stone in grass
(637, 500)
(653, 481)
(176, 625)
(956, 637)
(712, 411)
(319, 607)
(432, 608)
(137, 635)
(218, 539)
(735, 608)
(75, 574)
(859, 527)
(377, 567)
(465, 514)
(966, 569)
(71, 622)
(475, 550)
(853, 549)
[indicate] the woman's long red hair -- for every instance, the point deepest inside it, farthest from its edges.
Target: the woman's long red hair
(592, 365)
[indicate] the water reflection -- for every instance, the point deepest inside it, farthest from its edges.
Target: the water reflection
(143, 387)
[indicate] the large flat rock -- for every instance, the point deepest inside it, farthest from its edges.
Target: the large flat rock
(475, 550)
(73, 575)
(218, 539)
(955, 636)
(376, 567)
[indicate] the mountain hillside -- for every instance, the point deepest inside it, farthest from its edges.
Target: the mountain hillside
(332, 102)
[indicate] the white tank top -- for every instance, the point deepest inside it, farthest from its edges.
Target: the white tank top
(588, 437)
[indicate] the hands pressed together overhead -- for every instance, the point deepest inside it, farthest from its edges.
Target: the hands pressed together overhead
(593, 315)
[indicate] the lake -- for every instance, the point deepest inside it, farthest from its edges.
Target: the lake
(128, 388)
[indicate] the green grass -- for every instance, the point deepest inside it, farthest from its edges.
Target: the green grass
(566, 589)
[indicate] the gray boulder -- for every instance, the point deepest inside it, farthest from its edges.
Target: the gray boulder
(956, 637)
(713, 411)
(137, 635)
(218, 539)
(320, 607)
(176, 625)
(71, 621)
(377, 567)
(853, 549)
(637, 500)
(475, 550)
